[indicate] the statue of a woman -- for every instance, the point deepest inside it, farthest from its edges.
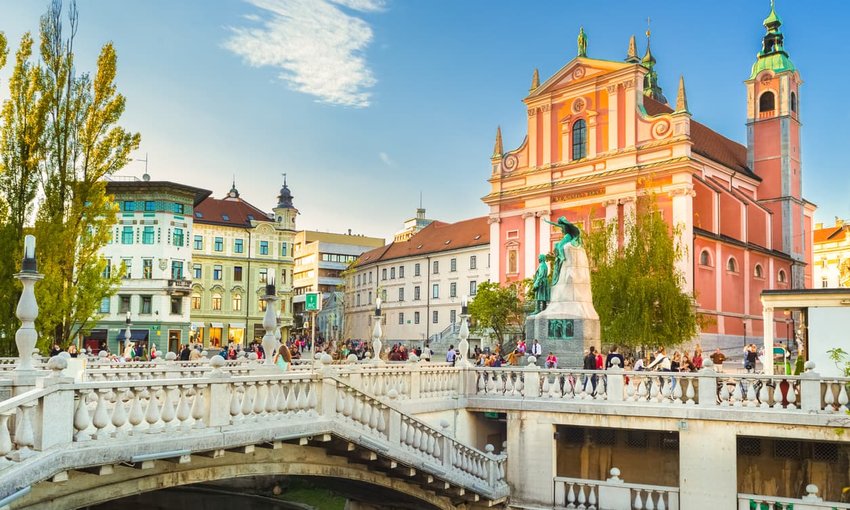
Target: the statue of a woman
(572, 235)
(541, 285)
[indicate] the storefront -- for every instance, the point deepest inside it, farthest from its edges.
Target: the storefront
(196, 333)
(216, 330)
(139, 338)
(95, 340)
(236, 333)
(174, 336)
(259, 332)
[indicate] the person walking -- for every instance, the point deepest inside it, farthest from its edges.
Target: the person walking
(718, 358)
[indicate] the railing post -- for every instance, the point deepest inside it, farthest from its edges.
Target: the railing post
(394, 429)
(531, 373)
(466, 381)
(707, 385)
(614, 494)
(53, 422)
(328, 392)
(492, 467)
(614, 382)
(810, 386)
(415, 380)
(218, 396)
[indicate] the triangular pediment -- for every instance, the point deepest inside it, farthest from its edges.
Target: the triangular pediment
(577, 70)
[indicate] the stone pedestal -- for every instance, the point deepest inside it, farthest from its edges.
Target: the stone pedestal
(569, 324)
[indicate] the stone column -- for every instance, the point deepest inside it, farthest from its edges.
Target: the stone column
(545, 236)
(683, 215)
(529, 245)
(546, 115)
(629, 206)
(708, 443)
(613, 118)
(495, 248)
(630, 113)
(531, 444)
(769, 331)
(591, 134)
(532, 137)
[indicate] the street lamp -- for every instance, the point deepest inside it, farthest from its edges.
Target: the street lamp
(376, 334)
(463, 334)
(128, 322)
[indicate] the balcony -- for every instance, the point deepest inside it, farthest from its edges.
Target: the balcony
(182, 287)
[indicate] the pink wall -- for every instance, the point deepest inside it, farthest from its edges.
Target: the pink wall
(703, 207)
(730, 216)
(757, 225)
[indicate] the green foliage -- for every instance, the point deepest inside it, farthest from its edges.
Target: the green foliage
(637, 289)
(841, 359)
(501, 309)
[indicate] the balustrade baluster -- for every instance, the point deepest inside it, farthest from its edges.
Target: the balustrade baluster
(303, 401)
(5, 437)
(777, 394)
(491, 383)
(411, 435)
(152, 414)
(842, 398)
(738, 393)
(689, 393)
(247, 401)
(677, 390)
(260, 399)
(271, 398)
(168, 411)
(638, 504)
(643, 393)
(382, 422)
(791, 396)
(482, 383)
(630, 390)
(184, 411)
(82, 419)
(199, 408)
(312, 398)
(829, 397)
(545, 385)
(403, 431)
(235, 403)
(509, 385)
(519, 385)
(119, 413)
(661, 505)
(764, 395)
(571, 495)
(581, 499)
(349, 402)
(137, 416)
(650, 504)
(666, 389)
(655, 391)
(101, 418)
(724, 394)
(417, 436)
(358, 409)
(24, 436)
(591, 498)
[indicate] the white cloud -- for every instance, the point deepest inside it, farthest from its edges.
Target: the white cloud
(386, 159)
(317, 47)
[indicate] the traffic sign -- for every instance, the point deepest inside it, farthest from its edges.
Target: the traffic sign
(313, 301)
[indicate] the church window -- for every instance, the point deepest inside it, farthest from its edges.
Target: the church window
(767, 102)
(794, 102)
(759, 271)
(732, 265)
(579, 139)
(705, 258)
(781, 276)
(513, 266)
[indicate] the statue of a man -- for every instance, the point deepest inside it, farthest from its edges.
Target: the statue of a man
(582, 43)
(572, 235)
(541, 285)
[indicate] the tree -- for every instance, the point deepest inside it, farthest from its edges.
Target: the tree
(500, 308)
(637, 289)
(84, 146)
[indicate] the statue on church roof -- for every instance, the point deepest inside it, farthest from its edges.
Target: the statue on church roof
(582, 43)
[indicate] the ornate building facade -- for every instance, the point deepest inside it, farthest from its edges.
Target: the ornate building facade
(601, 136)
(832, 255)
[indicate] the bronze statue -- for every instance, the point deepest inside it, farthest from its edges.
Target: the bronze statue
(541, 285)
(582, 43)
(572, 235)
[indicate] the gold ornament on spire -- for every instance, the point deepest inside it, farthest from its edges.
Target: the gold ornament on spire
(535, 81)
(681, 97)
(497, 148)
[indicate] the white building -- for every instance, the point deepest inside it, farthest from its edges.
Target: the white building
(832, 255)
(421, 281)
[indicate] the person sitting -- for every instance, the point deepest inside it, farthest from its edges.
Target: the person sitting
(551, 360)
(283, 358)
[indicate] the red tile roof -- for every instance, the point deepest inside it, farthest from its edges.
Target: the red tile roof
(832, 234)
(434, 238)
(234, 212)
(707, 142)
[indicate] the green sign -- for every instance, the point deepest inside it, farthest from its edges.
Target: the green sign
(312, 303)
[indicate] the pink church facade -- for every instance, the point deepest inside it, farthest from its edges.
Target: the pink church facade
(599, 129)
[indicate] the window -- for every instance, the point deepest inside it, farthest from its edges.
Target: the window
(579, 139)
(435, 291)
(196, 302)
(473, 262)
(401, 294)
(177, 270)
(219, 244)
(401, 271)
(416, 270)
(384, 274)
(370, 297)
(767, 102)
(453, 265)
(452, 316)
(237, 273)
(436, 268)
(237, 302)
(264, 275)
(264, 247)
(392, 273)
(435, 316)
(358, 299)
(283, 276)
(178, 237)
(452, 289)
(358, 280)
(513, 266)
(758, 272)
(216, 302)
(127, 235)
(217, 272)
(416, 293)
(150, 205)
(781, 276)
(473, 287)
(262, 305)
(176, 305)
(416, 317)
(129, 206)
(104, 305)
(370, 276)
(197, 271)
(283, 249)
(199, 242)
(107, 270)
(794, 102)
(238, 246)
(732, 265)
(705, 258)
(145, 305)
(147, 235)
(125, 304)
(824, 282)
(128, 268)
(178, 208)
(401, 317)
(147, 269)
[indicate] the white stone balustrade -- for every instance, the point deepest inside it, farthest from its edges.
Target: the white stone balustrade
(613, 494)
(810, 501)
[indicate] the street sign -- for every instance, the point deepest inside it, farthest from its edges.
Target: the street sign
(312, 301)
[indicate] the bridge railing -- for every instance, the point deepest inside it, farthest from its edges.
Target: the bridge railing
(613, 493)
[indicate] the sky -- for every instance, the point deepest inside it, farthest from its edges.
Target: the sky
(365, 104)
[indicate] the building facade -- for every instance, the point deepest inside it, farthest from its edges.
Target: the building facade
(237, 250)
(150, 245)
(421, 281)
(320, 260)
(832, 255)
(601, 136)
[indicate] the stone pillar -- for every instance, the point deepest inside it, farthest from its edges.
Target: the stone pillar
(611, 213)
(495, 248)
(532, 137)
(54, 415)
(545, 236)
(531, 445)
(683, 215)
(529, 245)
(810, 394)
(769, 330)
(708, 443)
(591, 134)
(613, 118)
(630, 113)
(546, 116)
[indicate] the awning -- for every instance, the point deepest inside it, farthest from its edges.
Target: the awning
(237, 325)
(135, 335)
(198, 325)
(216, 325)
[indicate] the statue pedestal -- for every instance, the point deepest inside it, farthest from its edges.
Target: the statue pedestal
(569, 324)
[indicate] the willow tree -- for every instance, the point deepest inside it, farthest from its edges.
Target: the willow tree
(637, 288)
(83, 145)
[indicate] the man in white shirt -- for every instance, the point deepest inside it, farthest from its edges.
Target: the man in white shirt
(536, 349)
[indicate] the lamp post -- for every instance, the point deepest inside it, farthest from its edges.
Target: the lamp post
(127, 323)
(269, 322)
(27, 310)
(463, 334)
(376, 334)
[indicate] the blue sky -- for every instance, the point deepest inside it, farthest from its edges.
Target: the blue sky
(365, 103)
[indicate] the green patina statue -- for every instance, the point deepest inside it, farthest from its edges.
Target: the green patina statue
(541, 285)
(582, 43)
(572, 235)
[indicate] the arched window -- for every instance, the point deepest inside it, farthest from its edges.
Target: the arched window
(237, 302)
(781, 276)
(216, 302)
(732, 265)
(579, 139)
(705, 258)
(794, 102)
(758, 272)
(767, 102)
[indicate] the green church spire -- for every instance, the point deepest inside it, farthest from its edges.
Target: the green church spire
(772, 55)
(651, 88)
